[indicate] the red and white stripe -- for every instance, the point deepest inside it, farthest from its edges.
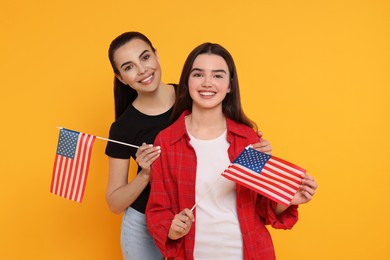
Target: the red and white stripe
(70, 175)
(279, 180)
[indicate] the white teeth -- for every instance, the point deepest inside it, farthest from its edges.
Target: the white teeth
(207, 93)
(148, 78)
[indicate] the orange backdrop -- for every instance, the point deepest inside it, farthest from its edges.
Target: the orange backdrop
(314, 76)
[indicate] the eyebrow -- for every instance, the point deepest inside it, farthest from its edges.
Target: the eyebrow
(197, 69)
(128, 62)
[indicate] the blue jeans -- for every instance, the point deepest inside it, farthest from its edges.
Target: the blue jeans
(136, 242)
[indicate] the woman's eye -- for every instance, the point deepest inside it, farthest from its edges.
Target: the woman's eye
(196, 75)
(129, 67)
(146, 57)
(218, 76)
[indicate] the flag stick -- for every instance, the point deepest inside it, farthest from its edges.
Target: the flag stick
(110, 140)
(204, 195)
(194, 206)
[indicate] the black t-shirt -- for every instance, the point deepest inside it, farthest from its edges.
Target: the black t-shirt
(134, 127)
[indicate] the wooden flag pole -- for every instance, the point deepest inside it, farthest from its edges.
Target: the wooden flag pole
(205, 194)
(110, 140)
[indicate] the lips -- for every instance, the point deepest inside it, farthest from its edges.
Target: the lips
(148, 79)
(207, 93)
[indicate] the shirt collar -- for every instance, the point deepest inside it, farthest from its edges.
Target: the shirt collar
(179, 129)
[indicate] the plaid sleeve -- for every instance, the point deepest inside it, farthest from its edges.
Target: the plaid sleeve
(285, 220)
(159, 215)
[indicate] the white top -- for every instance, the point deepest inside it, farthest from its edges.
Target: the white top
(217, 233)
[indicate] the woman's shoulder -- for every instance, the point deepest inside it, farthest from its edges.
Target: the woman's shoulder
(242, 131)
(174, 131)
(130, 120)
(238, 127)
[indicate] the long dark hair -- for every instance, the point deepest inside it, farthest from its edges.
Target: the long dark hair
(123, 94)
(231, 105)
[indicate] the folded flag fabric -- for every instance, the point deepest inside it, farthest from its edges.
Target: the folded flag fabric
(267, 175)
(71, 164)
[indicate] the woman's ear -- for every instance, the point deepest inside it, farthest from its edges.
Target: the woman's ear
(120, 79)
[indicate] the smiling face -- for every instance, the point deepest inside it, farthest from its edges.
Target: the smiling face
(208, 81)
(138, 66)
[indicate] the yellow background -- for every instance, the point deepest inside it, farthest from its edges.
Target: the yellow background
(314, 75)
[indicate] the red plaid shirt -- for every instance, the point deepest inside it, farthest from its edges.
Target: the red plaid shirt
(173, 181)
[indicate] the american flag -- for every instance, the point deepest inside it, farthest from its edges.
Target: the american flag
(268, 175)
(71, 164)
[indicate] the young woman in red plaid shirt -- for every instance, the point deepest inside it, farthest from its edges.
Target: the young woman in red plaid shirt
(143, 106)
(229, 220)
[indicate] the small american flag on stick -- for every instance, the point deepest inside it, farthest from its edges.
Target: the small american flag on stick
(71, 164)
(267, 175)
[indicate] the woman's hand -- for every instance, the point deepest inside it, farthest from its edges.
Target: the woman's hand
(146, 155)
(262, 146)
(306, 191)
(181, 224)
